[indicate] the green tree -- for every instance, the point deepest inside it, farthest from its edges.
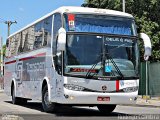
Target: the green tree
(147, 16)
(4, 50)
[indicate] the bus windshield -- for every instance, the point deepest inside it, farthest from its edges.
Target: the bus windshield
(85, 51)
(100, 24)
(98, 45)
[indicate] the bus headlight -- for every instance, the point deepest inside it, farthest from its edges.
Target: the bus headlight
(130, 89)
(74, 87)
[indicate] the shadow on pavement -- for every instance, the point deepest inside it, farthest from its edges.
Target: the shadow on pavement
(67, 111)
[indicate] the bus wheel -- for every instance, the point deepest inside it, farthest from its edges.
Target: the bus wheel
(47, 106)
(106, 109)
(15, 100)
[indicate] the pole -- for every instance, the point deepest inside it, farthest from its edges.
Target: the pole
(1, 59)
(123, 6)
(146, 81)
(9, 23)
(1, 55)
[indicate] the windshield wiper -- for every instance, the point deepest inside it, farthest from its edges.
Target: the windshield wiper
(113, 62)
(89, 71)
(93, 67)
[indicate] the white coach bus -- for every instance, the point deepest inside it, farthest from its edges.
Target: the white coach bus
(75, 56)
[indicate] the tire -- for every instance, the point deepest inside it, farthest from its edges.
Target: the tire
(17, 100)
(46, 105)
(106, 109)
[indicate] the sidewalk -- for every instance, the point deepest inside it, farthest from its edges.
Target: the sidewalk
(1, 90)
(153, 102)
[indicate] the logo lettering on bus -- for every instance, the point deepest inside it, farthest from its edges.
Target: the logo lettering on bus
(19, 70)
(35, 70)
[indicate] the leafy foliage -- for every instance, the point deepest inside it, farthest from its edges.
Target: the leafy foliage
(4, 50)
(147, 16)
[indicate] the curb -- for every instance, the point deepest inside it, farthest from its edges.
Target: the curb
(138, 105)
(152, 106)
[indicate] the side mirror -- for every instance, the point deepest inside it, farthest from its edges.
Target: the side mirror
(61, 42)
(147, 45)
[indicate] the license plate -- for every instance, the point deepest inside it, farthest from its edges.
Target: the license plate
(99, 98)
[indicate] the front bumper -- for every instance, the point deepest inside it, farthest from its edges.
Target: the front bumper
(90, 98)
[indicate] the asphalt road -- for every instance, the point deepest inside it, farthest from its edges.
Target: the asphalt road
(33, 111)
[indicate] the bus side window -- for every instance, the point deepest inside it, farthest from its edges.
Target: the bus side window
(12, 46)
(7, 54)
(28, 39)
(39, 35)
(23, 37)
(35, 36)
(14, 41)
(7, 43)
(47, 31)
(57, 24)
(20, 48)
(18, 41)
(43, 32)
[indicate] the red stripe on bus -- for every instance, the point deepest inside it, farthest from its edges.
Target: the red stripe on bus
(10, 62)
(117, 85)
(28, 58)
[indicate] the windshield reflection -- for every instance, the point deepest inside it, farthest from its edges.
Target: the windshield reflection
(85, 51)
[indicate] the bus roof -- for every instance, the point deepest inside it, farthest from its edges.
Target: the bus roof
(83, 10)
(86, 10)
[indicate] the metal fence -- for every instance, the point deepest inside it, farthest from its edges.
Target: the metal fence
(150, 83)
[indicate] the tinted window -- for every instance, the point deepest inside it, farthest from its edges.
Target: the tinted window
(100, 24)
(26, 40)
(29, 39)
(39, 35)
(35, 36)
(47, 30)
(43, 32)
(8, 53)
(56, 26)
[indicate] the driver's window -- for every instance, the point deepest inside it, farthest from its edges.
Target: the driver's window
(57, 24)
